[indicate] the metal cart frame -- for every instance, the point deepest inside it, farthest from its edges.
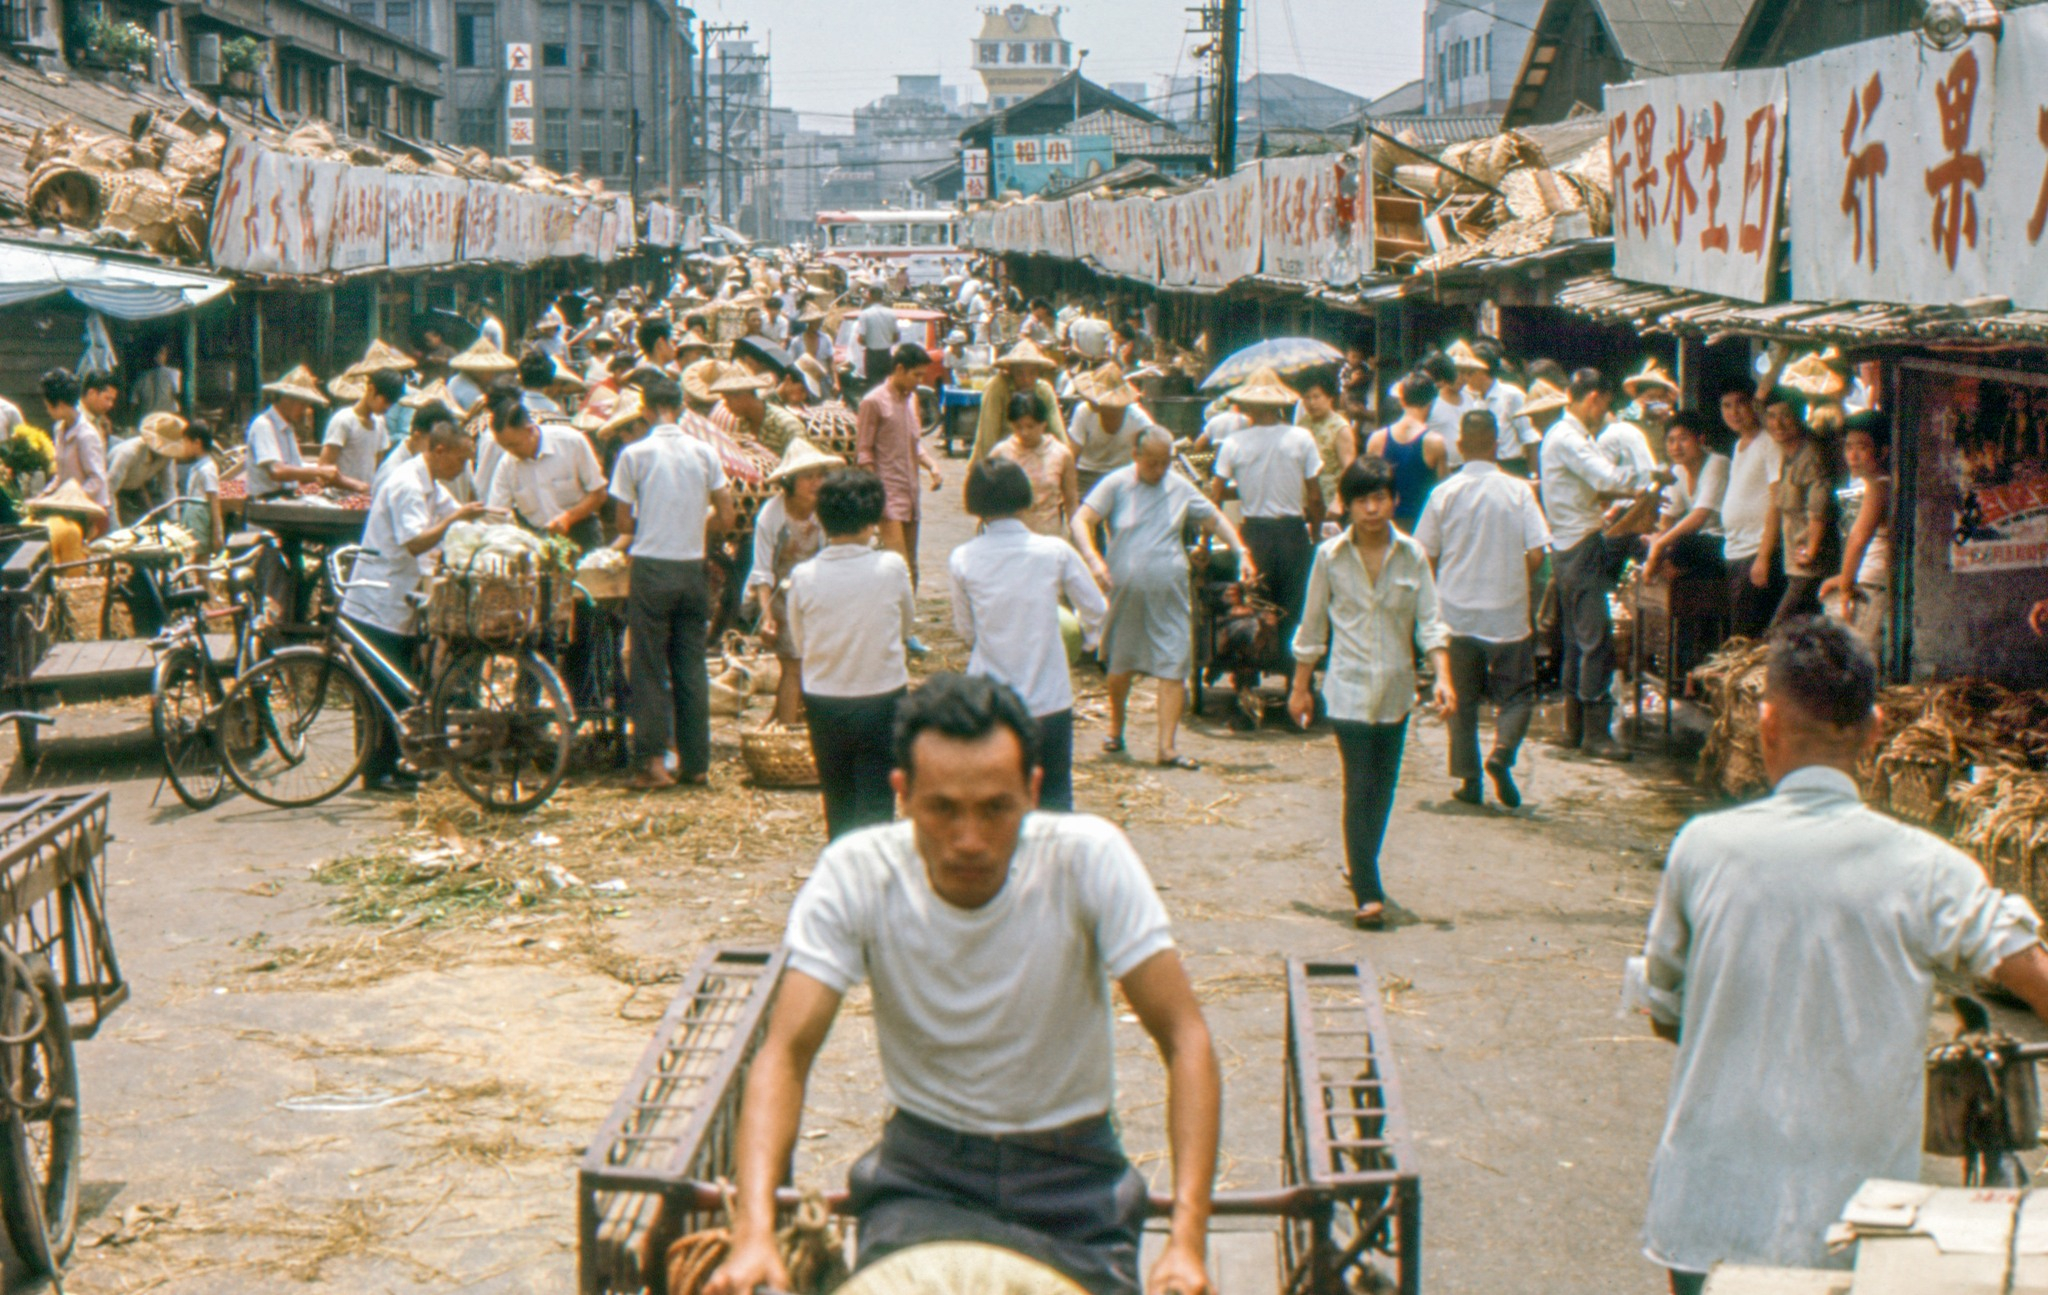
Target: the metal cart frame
(1349, 1208)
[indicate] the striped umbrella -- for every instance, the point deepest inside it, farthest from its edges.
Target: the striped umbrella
(1283, 355)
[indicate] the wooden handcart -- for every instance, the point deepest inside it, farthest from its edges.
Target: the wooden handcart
(1346, 1217)
(58, 981)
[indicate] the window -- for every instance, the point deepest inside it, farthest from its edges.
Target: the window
(476, 35)
(591, 137)
(593, 39)
(1041, 53)
(554, 137)
(1066, 53)
(554, 35)
(1489, 51)
(1016, 53)
(398, 18)
(363, 11)
(988, 52)
(622, 29)
(477, 127)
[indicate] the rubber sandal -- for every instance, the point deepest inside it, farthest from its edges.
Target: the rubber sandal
(1113, 746)
(1373, 920)
(1180, 762)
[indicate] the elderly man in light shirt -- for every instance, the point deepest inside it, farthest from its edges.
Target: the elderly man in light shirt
(1792, 957)
(1579, 482)
(1486, 537)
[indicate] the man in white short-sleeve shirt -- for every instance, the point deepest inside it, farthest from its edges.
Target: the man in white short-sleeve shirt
(989, 936)
(1276, 469)
(671, 491)
(1486, 536)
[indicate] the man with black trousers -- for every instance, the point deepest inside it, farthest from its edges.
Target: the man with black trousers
(1579, 481)
(1277, 471)
(672, 495)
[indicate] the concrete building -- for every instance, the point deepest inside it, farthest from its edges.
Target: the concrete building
(737, 91)
(607, 81)
(803, 158)
(1472, 52)
(1019, 53)
(896, 139)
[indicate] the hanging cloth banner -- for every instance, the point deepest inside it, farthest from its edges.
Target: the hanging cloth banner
(357, 237)
(273, 212)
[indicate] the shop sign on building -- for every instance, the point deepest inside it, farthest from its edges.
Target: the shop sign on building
(1310, 226)
(519, 132)
(1899, 191)
(356, 237)
(519, 57)
(1028, 163)
(1698, 165)
(273, 212)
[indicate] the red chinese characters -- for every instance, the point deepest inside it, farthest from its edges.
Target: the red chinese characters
(1714, 238)
(1865, 166)
(1953, 182)
(1647, 179)
(1759, 180)
(1680, 197)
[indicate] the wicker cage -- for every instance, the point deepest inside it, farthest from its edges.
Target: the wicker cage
(2002, 819)
(492, 611)
(1915, 787)
(778, 757)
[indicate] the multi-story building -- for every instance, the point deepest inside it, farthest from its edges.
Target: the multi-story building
(1019, 53)
(1471, 54)
(802, 160)
(603, 85)
(896, 139)
(736, 107)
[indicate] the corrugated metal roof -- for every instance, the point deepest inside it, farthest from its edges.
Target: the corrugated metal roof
(1434, 132)
(1129, 137)
(1650, 308)
(1667, 37)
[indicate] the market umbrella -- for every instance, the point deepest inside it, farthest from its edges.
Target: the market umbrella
(454, 329)
(1281, 354)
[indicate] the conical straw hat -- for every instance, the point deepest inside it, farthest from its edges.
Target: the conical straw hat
(1264, 388)
(802, 456)
(1106, 387)
(1463, 356)
(482, 357)
(379, 357)
(1650, 375)
(299, 384)
(1026, 352)
(1543, 397)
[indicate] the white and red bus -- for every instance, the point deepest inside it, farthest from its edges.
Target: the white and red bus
(926, 240)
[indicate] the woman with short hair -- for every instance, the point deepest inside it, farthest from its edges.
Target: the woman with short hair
(1046, 462)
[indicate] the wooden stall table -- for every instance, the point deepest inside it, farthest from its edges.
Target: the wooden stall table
(1678, 623)
(298, 523)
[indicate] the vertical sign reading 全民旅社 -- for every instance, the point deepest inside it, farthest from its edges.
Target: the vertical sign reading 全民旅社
(1892, 142)
(1698, 165)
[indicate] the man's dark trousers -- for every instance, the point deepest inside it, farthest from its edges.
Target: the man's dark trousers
(668, 614)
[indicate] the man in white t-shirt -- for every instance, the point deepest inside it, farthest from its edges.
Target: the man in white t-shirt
(1690, 537)
(1745, 515)
(356, 437)
(989, 935)
(1275, 468)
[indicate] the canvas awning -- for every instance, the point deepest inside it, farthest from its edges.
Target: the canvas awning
(123, 289)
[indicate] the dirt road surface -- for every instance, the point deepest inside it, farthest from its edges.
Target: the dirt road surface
(369, 1042)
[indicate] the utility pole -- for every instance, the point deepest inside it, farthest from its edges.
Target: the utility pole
(763, 158)
(705, 31)
(1226, 87)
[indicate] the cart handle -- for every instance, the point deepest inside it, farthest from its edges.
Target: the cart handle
(35, 718)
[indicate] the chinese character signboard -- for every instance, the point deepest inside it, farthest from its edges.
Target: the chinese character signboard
(974, 188)
(274, 212)
(1298, 218)
(519, 94)
(519, 58)
(1891, 140)
(519, 132)
(2018, 187)
(1698, 165)
(974, 161)
(1029, 163)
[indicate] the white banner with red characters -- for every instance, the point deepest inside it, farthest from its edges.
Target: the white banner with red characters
(1239, 229)
(1892, 142)
(2018, 178)
(1699, 166)
(356, 240)
(273, 212)
(423, 218)
(1299, 227)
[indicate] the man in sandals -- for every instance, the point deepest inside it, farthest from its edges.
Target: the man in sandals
(990, 936)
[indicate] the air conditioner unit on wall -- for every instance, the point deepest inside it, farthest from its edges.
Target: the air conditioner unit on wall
(206, 59)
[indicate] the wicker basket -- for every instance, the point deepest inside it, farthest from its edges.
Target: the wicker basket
(779, 757)
(2003, 821)
(605, 584)
(493, 611)
(1915, 788)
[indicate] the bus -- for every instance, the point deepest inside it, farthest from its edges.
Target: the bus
(928, 240)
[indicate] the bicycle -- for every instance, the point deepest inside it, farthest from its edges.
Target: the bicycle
(301, 724)
(189, 685)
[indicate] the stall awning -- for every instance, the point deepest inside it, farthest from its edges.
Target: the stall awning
(123, 289)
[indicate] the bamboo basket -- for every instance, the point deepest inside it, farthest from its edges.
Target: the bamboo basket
(779, 757)
(496, 611)
(1915, 787)
(2003, 821)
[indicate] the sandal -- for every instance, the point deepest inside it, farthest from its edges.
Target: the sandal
(1179, 762)
(1113, 746)
(1370, 917)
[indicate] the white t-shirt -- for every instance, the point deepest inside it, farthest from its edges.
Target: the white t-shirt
(850, 609)
(361, 444)
(1752, 471)
(667, 480)
(1679, 501)
(1626, 444)
(1479, 525)
(1444, 415)
(408, 503)
(1096, 450)
(1222, 427)
(1268, 466)
(992, 1020)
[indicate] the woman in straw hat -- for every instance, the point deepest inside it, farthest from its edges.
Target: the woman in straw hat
(1106, 426)
(1146, 506)
(1022, 368)
(786, 532)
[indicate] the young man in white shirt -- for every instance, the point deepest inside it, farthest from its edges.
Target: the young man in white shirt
(672, 500)
(1486, 537)
(875, 331)
(1452, 400)
(1006, 586)
(1691, 540)
(1276, 470)
(1516, 450)
(851, 614)
(1746, 516)
(410, 513)
(1792, 957)
(990, 936)
(357, 437)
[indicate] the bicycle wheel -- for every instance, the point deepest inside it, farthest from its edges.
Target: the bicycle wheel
(183, 697)
(38, 1119)
(296, 729)
(507, 726)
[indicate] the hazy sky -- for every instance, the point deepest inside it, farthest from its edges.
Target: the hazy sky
(831, 56)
